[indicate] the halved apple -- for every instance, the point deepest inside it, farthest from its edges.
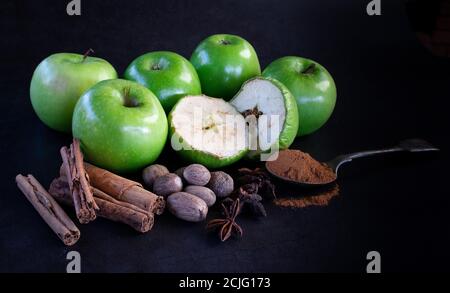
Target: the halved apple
(207, 131)
(271, 113)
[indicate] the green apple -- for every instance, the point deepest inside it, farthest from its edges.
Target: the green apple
(312, 86)
(121, 125)
(59, 81)
(224, 63)
(271, 113)
(168, 75)
(208, 131)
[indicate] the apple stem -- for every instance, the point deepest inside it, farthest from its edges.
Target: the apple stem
(126, 92)
(88, 52)
(225, 42)
(129, 102)
(309, 69)
(156, 67)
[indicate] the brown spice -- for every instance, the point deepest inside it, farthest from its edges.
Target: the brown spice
(49, 209)
(315, 197)
(124, 189)
(301, 167)
(227, 226)
(78, 180)
(109, 208)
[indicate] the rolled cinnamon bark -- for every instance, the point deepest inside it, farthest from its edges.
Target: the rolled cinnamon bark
(118, 213)
(48, 209)
(109, 208)
(124, 189)
(78, 182)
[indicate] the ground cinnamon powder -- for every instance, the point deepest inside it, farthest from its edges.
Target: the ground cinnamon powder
(314, 197)
(299, 166)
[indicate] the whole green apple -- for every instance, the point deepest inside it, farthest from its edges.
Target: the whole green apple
(59, 81)
(312, 86)
(168, 75)
(224, 63)
(121, 125)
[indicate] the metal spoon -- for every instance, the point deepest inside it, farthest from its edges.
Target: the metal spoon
(409, 145)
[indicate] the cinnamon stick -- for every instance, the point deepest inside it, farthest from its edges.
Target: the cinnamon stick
(109, 208)
(48, 209)
(78, 181)
(124, 190)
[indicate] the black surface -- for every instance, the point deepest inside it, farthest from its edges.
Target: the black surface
(389, 88)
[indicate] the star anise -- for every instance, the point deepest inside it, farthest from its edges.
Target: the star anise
(250, 199)
(228, 225)
(254, 205)
(261, 178)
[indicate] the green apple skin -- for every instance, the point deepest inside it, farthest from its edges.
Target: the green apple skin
(59, 81)
(121, 125)
(168, 75)
(292, 121)
(314, 90)
(223, 63)
(209, 160)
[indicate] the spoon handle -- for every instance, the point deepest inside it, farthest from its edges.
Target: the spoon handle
(410, 145)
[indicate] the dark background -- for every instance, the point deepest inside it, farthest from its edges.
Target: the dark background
(390, 87)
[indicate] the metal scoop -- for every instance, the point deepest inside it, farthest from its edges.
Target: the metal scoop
(409, 145)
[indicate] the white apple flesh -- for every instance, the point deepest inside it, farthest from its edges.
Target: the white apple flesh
(208, 131)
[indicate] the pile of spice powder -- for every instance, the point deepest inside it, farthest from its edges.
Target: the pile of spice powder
(301, 167)
(309, 197)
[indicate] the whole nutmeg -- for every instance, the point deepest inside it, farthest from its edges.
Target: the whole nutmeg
(179, 172)
(150, 173)
(221, 184)
(187, 207)
(167, 184)
(196, 174)
(202, 192)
